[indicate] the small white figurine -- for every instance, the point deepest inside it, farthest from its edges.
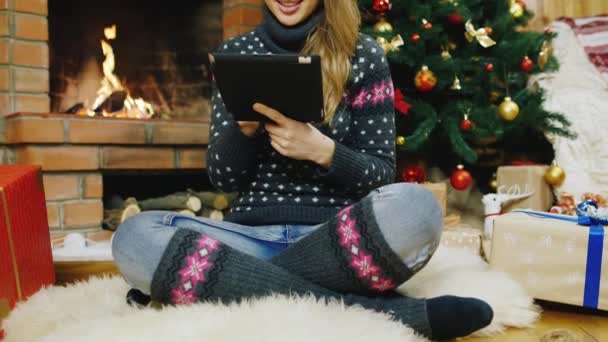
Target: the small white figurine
(493, 205)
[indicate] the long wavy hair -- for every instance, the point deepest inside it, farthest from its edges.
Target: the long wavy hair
(335, 41)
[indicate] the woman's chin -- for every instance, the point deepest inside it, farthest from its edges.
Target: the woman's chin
(290, 20)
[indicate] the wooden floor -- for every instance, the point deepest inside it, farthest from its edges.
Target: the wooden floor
(583, 327)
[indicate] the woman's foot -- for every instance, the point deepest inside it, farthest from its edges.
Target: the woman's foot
(451, 317)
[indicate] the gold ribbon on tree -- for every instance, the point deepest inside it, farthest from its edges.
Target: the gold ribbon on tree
(393, 45)
(545, 53)
(481, 35)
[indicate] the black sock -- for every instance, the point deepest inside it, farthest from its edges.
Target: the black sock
(137, 298)
(196, 267)
(451, 316)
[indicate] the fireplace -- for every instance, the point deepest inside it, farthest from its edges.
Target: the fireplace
(51, 60)
(160, 52)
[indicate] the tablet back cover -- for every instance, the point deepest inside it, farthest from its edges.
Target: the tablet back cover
(291, 84)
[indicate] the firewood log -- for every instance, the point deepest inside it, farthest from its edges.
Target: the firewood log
(114, 217)
(112, 103)
(187, 212)
(215, 200)
(178, 201)
(212, 214)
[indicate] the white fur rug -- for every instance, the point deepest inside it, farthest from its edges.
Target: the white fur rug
(96, 311)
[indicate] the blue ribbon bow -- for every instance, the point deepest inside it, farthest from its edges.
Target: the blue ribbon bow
(595, 218)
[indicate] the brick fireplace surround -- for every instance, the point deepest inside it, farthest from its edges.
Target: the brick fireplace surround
(74, 151)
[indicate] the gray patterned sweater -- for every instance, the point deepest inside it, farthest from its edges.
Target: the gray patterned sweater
(278, 190)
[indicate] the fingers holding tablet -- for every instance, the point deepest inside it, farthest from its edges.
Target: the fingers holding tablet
(270, 113)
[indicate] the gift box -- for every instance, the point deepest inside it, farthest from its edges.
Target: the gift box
(566, 203)
(553, 256)
(529, 178)
(467, 238)
(26, 262)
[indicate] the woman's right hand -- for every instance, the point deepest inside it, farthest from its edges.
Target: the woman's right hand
(249, 127)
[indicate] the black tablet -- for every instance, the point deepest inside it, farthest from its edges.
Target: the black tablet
(291, 84)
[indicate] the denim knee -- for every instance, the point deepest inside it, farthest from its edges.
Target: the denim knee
(134, 228)
(137, 247)
(408, 210)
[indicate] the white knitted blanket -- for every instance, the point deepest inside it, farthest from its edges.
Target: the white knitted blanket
(580, 92)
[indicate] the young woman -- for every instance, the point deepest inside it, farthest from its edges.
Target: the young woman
(315, 215)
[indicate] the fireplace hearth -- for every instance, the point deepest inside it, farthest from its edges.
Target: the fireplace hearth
(78, 153)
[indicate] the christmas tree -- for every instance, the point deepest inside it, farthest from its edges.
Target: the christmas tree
(461, 70)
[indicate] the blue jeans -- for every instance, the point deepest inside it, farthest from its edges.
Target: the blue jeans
(407, 214)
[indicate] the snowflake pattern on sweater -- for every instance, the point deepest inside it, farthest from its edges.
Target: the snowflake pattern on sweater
(278, 190)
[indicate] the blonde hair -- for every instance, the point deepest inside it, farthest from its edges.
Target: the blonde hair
(335, 41)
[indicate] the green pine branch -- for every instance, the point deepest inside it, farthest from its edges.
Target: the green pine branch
(436, 115)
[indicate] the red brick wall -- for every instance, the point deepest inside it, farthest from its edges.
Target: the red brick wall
(24, 56)
(241, 16)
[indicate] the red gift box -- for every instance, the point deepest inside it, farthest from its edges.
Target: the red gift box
(26, 261)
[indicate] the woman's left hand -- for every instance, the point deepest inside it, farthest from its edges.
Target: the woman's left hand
(297, 140)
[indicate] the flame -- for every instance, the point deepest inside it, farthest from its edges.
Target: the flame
(132, 108)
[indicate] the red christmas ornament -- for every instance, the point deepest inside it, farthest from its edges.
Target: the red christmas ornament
(455, 18)
(401, 105)
(415, 38)
(427, 25)
(461, 179)
(414, 174)
(382, 6)
(526, 64)
(489, 67)
(549, 31)
(466, 124)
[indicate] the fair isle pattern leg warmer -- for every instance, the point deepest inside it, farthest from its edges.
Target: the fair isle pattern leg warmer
(196, 267)
(348, 254)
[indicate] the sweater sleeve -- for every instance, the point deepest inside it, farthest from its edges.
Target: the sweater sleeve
(231, 155)
(366, 159)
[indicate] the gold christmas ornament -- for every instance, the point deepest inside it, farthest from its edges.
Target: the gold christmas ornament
(383, 26)
(555, 175)
(494, 184)
(456, 85)
(545, 53)
(445, 54)
(516, 9)
(400, 140)
(481, 35)
(393, 45)
(508, 109)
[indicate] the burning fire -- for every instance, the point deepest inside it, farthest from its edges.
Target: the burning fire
(113, 99)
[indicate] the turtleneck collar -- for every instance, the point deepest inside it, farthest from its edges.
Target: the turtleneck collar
(287, 39)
